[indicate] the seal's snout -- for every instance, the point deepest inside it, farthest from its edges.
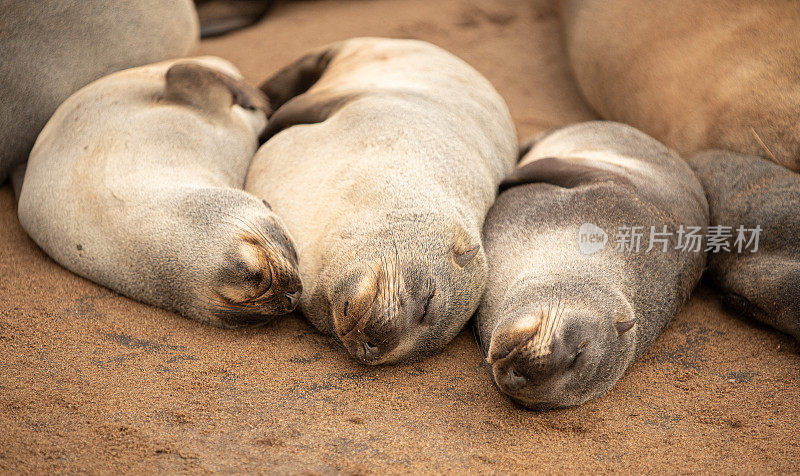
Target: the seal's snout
(293, 299)
(511, 380)
(376, 313)
(289, 284)
(258, 281)
(533, 355)
(359, 326)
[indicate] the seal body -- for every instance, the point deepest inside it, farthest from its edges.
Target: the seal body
(716, 74)
(570, 303)
(383, 159)
(50, 49)
(135, 183)
(759, 272)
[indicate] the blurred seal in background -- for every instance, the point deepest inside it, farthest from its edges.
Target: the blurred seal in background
(714, 74)
(51, 48)
(218, 17)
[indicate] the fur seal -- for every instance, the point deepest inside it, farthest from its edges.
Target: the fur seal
(559, 323)
(714, 74)
(383, 158)
(135, 183)
(762, 279)
(50, 49)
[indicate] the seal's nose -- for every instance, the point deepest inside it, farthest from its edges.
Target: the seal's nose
(293, 298)
(363, 349)
(512, 380)
(371, 351)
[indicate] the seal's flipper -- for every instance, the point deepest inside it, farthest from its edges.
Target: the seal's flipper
(298, 77)
(773, 298)
(218, 17)
(308, 108)
(211, 90)
(567, 173)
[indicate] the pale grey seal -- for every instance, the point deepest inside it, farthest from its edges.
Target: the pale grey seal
(135, 183)
(755, 203)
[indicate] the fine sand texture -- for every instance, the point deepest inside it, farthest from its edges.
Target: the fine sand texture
(92, 381)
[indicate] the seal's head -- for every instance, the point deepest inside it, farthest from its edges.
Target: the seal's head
(408, 290)
(257, 278)
(559, 354)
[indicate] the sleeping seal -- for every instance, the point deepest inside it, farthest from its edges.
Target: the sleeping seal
(570, 302)
(759, 273)
(135, 183)
(713, 74)
(383, 159)
(51, 48)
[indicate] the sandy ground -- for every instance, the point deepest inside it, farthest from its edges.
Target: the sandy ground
(91, 381)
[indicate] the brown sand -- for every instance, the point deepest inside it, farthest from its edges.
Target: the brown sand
(91, 381)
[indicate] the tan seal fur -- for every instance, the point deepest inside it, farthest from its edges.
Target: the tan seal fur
(762, 279)
(383, 159)
(135, 183)
(51, 48)
(712, 74)
(559, 326)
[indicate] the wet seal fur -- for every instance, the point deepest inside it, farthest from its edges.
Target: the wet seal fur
(559, 327)
(751, 191)
(135, 183)
(50, 49)
(383, 158)
(714, 74)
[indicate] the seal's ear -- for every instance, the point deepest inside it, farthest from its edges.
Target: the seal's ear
(298, 77)
(526, 146)
(624, 326)
(211, 90)
(464, 249)
(567, 173)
